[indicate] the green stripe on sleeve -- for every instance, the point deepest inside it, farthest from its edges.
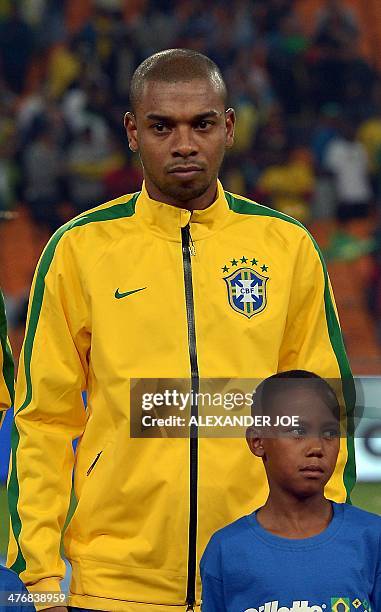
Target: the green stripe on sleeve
(116, 211)
(8, 367)
(245, 207)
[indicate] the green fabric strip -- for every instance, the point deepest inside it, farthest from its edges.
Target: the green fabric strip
(117, 211)
(245, 207)
(8, 367)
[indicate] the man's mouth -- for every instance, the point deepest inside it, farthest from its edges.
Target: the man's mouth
(186, 171)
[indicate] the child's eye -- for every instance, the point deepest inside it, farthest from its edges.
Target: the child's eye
(297, 432)
(331, 433)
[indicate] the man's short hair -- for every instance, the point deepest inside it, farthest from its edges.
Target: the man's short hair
(284, 382)
(175, 65)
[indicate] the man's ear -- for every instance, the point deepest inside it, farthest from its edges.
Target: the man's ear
(254, 440)
(131, 131)
(229, 126)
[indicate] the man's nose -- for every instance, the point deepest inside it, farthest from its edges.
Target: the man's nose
(184, 144)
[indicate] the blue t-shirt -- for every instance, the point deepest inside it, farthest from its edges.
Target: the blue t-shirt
(10, 589)
(248, 569)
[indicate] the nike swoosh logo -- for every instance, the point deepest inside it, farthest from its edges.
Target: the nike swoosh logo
(119, 295)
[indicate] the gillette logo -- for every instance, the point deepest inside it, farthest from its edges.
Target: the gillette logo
(297, 606)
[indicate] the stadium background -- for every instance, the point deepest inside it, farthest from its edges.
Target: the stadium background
(305, 79)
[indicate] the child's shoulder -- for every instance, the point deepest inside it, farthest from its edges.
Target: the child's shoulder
(360, 525)
(222, 545)
(358, 516)
(227, 536)
(11, 584)
(233, 530)
(9, 581)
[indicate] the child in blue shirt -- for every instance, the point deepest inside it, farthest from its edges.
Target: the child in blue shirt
(12, 591)
(300, 552)
(13, 594)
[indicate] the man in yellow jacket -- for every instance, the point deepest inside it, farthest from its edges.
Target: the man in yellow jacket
(183, 281)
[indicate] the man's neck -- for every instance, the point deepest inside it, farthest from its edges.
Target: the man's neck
(200, 203)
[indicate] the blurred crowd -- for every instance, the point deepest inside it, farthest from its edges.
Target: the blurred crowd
(308, 105)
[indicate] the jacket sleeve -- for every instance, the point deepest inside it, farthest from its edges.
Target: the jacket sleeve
(6, 364)
(313, 341)
(49, 415)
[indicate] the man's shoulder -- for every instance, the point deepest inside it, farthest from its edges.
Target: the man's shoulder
(89, 222)
(121, 207)
(90, 233)
(244, 206)
(279, 228)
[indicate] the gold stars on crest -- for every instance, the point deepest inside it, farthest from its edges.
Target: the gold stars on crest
(233, 263)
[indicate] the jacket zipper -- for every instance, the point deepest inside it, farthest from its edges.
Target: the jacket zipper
(188, 250)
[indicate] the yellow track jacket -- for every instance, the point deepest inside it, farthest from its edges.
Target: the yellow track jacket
(137, 288)
(6, 364)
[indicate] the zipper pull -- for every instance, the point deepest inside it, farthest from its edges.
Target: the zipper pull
(188, 243)
(93, 464)
(190, 608)
(192, 248)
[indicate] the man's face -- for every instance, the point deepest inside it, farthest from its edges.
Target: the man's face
(302, 458)
(181, 131)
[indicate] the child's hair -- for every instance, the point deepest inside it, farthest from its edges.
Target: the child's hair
(292, 379)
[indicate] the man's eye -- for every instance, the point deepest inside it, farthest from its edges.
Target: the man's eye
(160, 127)
(204, 124)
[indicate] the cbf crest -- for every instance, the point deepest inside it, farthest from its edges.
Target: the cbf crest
(246, 287)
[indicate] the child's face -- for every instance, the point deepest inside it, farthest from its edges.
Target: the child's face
(301, 458)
